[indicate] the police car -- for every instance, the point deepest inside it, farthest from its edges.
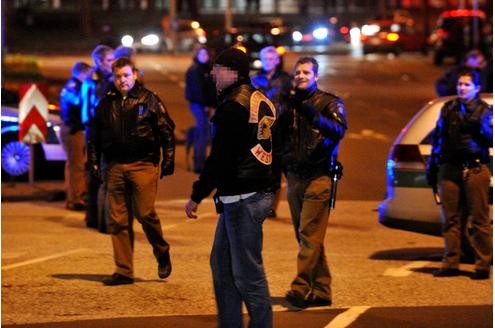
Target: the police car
(49, 156)
(410, 204)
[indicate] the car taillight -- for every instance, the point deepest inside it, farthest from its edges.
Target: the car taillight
(406, 157)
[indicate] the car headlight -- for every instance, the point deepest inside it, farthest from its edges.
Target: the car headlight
(297, 36)
(370, 29)
(127, 40)
(150, 40)
(320, 33)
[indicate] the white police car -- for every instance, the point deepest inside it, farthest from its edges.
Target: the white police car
(16, 157)
(410, 204)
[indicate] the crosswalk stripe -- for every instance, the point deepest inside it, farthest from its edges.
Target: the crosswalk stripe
(346, 318)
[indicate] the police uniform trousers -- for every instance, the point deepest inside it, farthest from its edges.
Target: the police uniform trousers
(133, 187)
(75, 176)
(465, 204)
(309, 206)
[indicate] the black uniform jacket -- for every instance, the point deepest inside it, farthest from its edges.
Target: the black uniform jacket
(134, 128)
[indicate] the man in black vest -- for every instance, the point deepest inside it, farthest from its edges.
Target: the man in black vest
(239, 167)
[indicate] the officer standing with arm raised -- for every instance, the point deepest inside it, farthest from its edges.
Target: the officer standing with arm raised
(312, 127)
(132, 130)
(458, 169)
(239, 167)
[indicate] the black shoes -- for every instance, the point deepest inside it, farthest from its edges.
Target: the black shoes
(296, 299)
(272, 214)
(165, 267)
(117, 279)
(480, 275)
(76, 206)
(446, 272)
(314, 300)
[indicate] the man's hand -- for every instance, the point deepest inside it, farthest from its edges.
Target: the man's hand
(309, 111)
(166, 170)
(191, 208)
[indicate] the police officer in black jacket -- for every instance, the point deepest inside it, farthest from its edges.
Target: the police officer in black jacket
(240, 168)
(72, 135)
(458, 168)
(312, 127)
(130, 129)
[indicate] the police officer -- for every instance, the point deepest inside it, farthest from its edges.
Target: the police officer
(312, 127)
(239, 167)
(92, 90)
(276, 85)
(72, 135)
(458, 167)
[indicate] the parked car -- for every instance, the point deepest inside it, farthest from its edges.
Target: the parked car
(249, 40)
(388, 36)
(153, 39)
(457, 31)
(410, 204)
(49, 156)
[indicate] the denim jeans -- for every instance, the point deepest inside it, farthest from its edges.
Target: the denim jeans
(237, 264)
(201, 135)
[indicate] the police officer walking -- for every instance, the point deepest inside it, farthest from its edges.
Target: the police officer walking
(312, 127)
(458, 168)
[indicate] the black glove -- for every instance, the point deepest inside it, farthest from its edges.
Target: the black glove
(167, 169)
(308, 111)
(431, 175)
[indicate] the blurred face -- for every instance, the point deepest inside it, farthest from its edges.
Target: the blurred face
(304, 77)
(475, 62)
(466, 89)
(202, 56)
(269, 61)
(124, 79)
(105, 64)
(224, 76)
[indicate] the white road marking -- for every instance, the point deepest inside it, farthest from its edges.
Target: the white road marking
(405, 270)
(346, 318)
(42, 259)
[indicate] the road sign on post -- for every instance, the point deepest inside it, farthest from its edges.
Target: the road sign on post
(33, 114)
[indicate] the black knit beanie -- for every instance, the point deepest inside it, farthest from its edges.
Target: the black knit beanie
(235, 59)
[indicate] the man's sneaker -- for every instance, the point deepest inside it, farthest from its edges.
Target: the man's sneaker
(296, 299)
(117, 279)
(446, 272)
(480, 275)
(165, 267)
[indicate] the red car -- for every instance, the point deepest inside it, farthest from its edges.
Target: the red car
(387, 36)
